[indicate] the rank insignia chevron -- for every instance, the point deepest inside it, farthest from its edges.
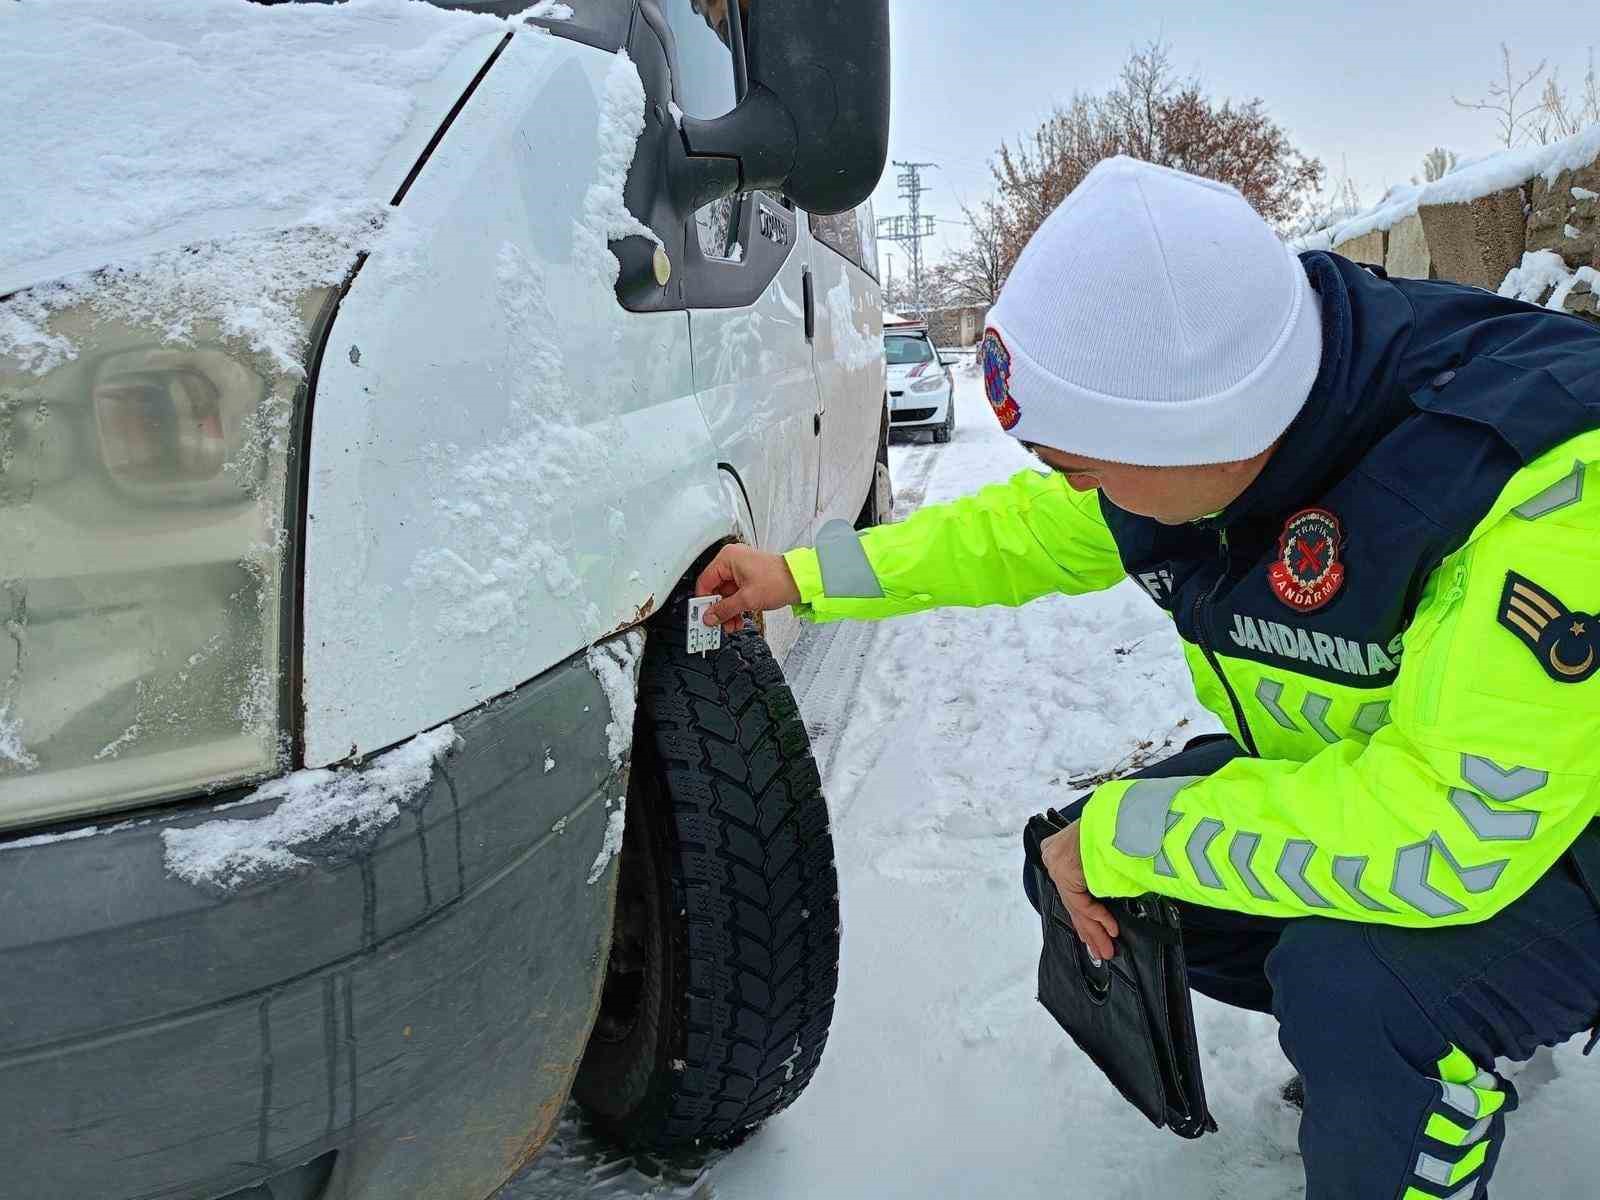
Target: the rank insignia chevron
(1566, 643)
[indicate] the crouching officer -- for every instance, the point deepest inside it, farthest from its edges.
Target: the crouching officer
(1372, 509)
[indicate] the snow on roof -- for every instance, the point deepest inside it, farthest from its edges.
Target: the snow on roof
(124, 120)
(1470, 180)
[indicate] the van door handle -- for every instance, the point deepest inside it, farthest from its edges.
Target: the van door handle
(810, 294)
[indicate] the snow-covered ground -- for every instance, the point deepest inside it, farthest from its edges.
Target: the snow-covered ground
(938, 735)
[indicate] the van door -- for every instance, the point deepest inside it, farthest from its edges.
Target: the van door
(848, 352)
(744, 280)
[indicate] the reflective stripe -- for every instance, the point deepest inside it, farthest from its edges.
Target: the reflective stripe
(1462, 1098)
(1142, 816)
(1411, 877)
(1240, 851)
(1292, 870)
(1464, 1194)
(1199, 842)
(1437, 1170)
(1501, 783)
(1315, 710)
(846, 572)
(1442, 1129)
(1163, 864)
(1492, 825)
(1347, 874)
(1472, 1102)
(1434, 1170)
(1568, 490)
(1371, 717)
(1269, 692)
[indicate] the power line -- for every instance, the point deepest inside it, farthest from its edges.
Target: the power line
(910, 228)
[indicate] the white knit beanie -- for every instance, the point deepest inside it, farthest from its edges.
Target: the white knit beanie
(1155, 319)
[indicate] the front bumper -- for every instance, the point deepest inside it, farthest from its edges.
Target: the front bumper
(914, 410)
(414, 1009)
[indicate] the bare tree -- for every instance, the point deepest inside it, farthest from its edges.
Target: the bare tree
(1436, 164)
(1153, 115)
(974, 272)
(1505, 100)
(1562, 115)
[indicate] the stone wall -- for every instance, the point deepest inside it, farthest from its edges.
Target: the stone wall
(1538, 239)
(958, 326)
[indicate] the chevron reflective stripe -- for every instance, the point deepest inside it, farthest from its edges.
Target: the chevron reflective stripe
(1448, 1174)
(1371, 717)
(1568, 490)
(1347, 874)
(1443, 1129)
(1292, 870)
(1199, 842)
(1411, 884)
(846, 571)
(1143, 814)
(1240, 851)
(1315, 710)
(1491, 824)
(1474, 1094)
(1163, 864)
(1269, 692)
(1473, 1103)
(1505, 784)
(1418, 1194)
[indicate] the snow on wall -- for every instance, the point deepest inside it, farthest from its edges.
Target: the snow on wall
(315, 805)
(1543, 277)
(616, 665)
(1470, 180)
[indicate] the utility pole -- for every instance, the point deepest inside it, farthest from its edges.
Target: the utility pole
(911, 227)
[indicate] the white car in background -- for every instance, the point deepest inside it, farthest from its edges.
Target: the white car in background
(374, 380)
(921, 386)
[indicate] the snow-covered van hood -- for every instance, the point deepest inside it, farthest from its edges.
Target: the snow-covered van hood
(135, 129)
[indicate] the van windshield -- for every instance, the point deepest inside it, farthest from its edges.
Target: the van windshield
(903, 350)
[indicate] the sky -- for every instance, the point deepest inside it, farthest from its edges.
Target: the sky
(1366, 87)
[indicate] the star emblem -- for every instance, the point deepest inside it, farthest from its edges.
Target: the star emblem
(1577, 629)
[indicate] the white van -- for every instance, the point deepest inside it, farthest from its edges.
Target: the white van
(348, 511)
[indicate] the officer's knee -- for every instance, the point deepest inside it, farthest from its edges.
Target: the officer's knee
(1327, 991)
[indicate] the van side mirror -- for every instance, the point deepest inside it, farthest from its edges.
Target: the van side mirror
(814, 123)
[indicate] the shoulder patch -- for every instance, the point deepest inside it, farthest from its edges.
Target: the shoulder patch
(997, 379)
(1566, 643)
(1307, 572)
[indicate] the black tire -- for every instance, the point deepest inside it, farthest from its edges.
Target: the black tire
(875, 509)
(720, 988)
(943, 432)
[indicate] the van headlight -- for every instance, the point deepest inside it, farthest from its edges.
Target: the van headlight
(144, 538)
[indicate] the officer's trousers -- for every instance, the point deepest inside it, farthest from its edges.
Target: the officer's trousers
(1396, 1031)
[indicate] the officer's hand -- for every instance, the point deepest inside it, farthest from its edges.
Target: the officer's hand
(748, 580)
(1063, 858)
